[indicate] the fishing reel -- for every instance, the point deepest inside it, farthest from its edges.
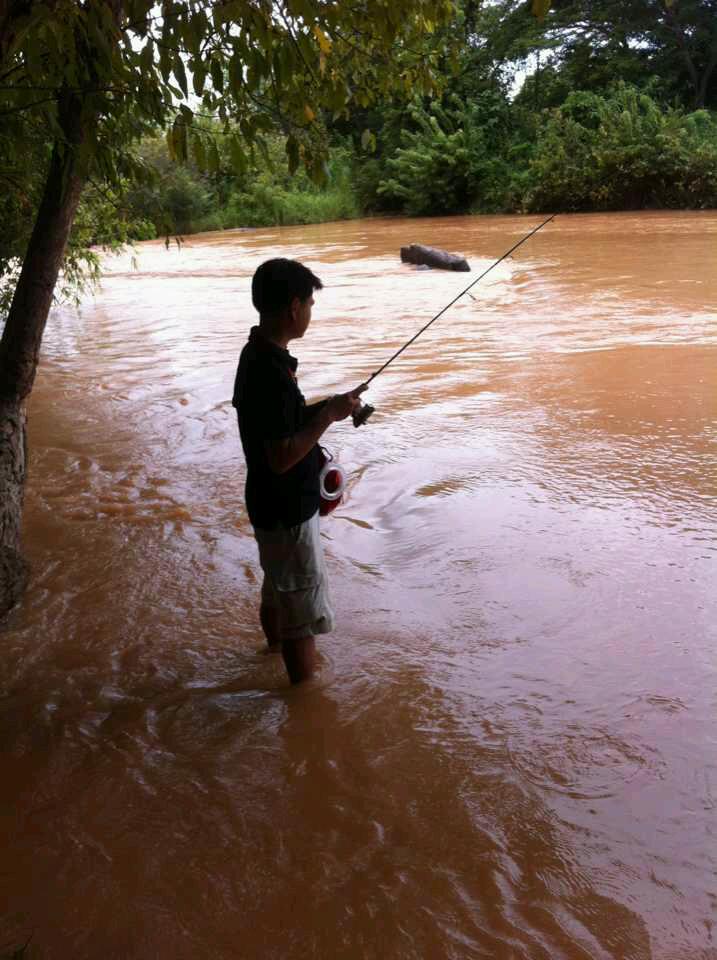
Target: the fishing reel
(332, 479)
(361, 414)
(332, 483)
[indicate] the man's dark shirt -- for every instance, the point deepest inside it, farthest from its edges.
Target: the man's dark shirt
(270, 407)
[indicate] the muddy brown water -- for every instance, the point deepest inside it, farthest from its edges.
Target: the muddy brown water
(510, 751)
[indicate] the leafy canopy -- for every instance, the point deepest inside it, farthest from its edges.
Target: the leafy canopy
(128, 67)
(253, 64)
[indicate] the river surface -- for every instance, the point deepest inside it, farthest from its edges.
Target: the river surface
(510, 751)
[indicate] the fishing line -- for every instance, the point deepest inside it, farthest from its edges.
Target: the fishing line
(362, 413)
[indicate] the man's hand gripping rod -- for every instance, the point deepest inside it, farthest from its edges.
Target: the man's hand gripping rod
(364, 411)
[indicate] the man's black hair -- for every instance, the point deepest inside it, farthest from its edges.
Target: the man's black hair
(277, 282)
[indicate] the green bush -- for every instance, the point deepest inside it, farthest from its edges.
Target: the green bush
(185, 200)
(457, 158)
(623, 151)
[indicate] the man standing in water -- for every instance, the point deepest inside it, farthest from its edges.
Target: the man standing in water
(279, 434)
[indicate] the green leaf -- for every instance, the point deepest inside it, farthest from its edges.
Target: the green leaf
(181, 140)
(199, 75)
(200, 154)
(292, 153)
(181, 74)
(324, 41)
(213, 160)
(165, 64)
(170, 143)
(540, 8)
(237, 154)
(146, 57)
(217, 75)
(368, 140)
(236, 74)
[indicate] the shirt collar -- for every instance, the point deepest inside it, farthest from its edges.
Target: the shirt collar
(281, 354)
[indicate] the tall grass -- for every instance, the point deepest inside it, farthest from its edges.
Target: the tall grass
(269, 207)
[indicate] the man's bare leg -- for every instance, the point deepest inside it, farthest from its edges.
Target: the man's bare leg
(269, 617)
(299, 655)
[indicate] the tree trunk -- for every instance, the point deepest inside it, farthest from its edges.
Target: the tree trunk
(678, 31)
(22, 336)
(709, 69)
(13, 568)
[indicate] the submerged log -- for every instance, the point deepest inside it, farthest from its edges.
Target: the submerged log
(432, 257)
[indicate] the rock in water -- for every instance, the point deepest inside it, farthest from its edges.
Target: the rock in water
(432, 257)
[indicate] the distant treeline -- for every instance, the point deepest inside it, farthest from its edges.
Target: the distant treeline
(617, 110)
(617, 150)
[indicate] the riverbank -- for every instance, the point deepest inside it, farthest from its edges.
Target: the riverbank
(620, 150)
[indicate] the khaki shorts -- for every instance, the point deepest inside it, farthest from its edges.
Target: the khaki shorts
(295, 583)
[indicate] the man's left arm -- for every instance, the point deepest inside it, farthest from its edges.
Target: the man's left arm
(282, 454)
(311, 409)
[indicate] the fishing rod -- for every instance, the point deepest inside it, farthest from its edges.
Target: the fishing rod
(364, 411)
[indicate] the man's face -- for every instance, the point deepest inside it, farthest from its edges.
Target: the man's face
(301, 316)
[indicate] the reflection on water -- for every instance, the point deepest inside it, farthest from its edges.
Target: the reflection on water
(509, 751)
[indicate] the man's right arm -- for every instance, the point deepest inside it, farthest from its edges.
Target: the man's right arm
(284, 454)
